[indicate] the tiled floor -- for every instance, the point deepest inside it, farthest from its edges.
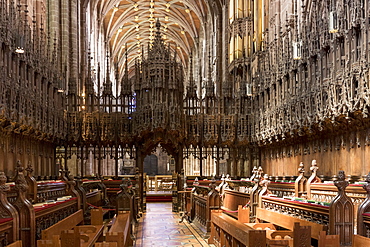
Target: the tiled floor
(159, 226)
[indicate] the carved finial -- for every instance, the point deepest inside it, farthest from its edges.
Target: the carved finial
(341, 183)
(301, 168)
(29, 169)
(19, 167)
(125, 184)
(259, 172)
(3, 185)
(367, 179)
(19, 179)
(212, 185)
(265, 181)
(367, 185)
(196, 182)
(314, 166)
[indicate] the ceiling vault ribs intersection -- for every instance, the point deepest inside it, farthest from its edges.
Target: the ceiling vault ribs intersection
(128, 24)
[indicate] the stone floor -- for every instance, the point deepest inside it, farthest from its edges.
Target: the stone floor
(159, 226)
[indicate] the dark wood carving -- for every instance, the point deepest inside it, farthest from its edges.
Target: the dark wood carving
(363, 208)
(304, 233)
(341, 213)
(8, 211)
(32, 185)
(254, 200)
(313, 178)
(69, 180)
(82, 193)
(300, 184)
(124, 198)
(27, 223)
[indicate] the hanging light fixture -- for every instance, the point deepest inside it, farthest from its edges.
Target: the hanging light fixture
(19, 44)
(297, 50)
(333, 22)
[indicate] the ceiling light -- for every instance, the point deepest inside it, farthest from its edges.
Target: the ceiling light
(151, 25)
(151, 4)
(19, 50)
(182, 32)
(168, 5)
(187, 10)
(136, 17)
(166, 18)
(120, 29)
(151, 10)
(168, 10)
(115, 8)
(136, 7)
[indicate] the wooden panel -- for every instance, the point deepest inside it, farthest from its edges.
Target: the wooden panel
(15, 244)
(241, 232)
(287, 221)
(360, 241)
(67, 223)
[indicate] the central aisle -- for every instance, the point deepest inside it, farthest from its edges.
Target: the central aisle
(159, 226)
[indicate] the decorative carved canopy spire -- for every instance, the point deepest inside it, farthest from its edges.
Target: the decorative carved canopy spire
(107, 90)
(126, 83)
(210, 87)
(158, 50)
(191, 88)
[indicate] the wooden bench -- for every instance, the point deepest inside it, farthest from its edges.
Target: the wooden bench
(227, 231)
(106, 244)
(120, 231)
(65, 224)
(287, 221)
(15, 244)
(360, 241)
(81, 236)
(97, 215)
(328, 240)
(50, 237)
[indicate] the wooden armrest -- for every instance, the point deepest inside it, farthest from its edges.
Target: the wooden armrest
(281, 233)
(86, 229)
(360, 241)
(15, 244)
(106, 244)
(55, 242)
(263, 226)
(278, 243)
(71, 238)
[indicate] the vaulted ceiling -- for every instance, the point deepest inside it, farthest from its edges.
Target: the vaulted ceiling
(131, 24)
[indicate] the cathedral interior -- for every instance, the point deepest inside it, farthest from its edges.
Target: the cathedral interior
(221, 102)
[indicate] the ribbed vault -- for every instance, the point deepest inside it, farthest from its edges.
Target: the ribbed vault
(131, 24)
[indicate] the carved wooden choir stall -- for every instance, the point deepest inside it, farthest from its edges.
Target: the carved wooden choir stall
(65, 211)
(280, 211)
